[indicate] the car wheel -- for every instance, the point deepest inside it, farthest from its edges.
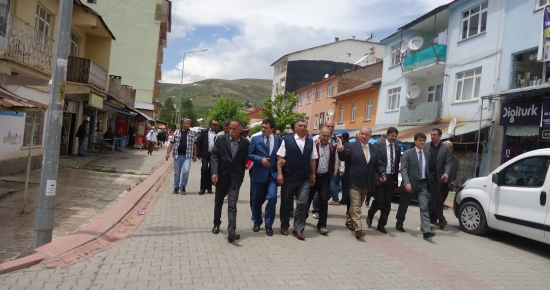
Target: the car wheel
(472, 219)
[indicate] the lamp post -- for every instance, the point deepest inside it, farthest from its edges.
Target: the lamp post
(181, 86)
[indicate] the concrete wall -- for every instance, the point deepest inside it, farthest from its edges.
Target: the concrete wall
(361, 99)
(303, 73)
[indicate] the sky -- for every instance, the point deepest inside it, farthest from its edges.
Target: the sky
(244, 37)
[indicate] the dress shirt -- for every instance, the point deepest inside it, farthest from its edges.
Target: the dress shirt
(423, 169)
(368, 150)
(389, 152)
(211, 136)
(234, 147)
(301, 143)
(324, 157)
(271, 143)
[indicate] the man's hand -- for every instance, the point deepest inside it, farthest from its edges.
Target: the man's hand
(265, 162)
(445, 176)
(312, 181)
(280, 179)
(342, 173)
(215, 179)
(194, 158)
(341, 148)
(454, 184)
(167, 156)
(281, 162)
(383, 177)
(408, 188)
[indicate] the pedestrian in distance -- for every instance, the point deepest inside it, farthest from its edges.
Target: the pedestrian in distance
(81, 134)
(183, 149)
(296, 177)
(151, 141)
(263, 153)
(385, 180)
(205, 145)
(278, 133)
(225, 126)
(414, 174)
(451, 184)
(228, 164)
(161, 137)
(362, 158)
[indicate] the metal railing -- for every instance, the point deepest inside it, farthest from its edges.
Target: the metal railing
(26, 45)
(85, 71)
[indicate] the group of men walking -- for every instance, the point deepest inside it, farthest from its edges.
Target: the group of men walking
(309, 170)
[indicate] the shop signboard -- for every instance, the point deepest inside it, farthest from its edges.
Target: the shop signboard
(95, 101)
(521, 113)
(545, 115)
(545, 134)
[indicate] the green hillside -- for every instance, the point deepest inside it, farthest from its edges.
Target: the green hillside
(253, 90)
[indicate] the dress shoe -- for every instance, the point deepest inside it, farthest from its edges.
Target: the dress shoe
(182, 191)
(256, 229)
(323, 231)
(442, 225)
(284, 232)
(350, 227)
(400, 228)
(333, 202)
(298, 235)
(369, 223)
(342, 202)
(269, 231)
(434, 222)
(428, 235)
(201, 192)
(233, 237)
(210, 191)
(216, 230)
(176, 191)
(359, 234)
(382, 229)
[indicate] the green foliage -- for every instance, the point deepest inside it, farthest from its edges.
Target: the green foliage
(168, 113)
(188, 111)
(255, 130)
(280, 109)
(227, 108)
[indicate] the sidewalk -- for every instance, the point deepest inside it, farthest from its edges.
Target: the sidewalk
(82, 194)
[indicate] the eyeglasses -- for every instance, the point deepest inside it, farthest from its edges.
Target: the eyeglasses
(214, 124)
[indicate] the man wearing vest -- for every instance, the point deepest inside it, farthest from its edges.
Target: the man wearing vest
(296, 177)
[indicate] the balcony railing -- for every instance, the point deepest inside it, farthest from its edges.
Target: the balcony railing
(424, 113)
(433, 54)
(26, 45)
(85, 71)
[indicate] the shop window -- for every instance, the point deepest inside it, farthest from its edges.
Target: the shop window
(527, 71)
(529, 172)
(38, 129)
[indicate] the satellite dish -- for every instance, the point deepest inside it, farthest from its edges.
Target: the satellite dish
(330, 113)
(404, 46)
(326, 76)
(452, 127)
(416, 43)
(413, 92)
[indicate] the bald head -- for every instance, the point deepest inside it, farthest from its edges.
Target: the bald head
(325, 135)
(330, 125)
(365, 134)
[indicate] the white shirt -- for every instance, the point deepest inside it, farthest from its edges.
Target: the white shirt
(301, 143)
(423, 173)
(368, 149)
(211, 136)
(389, 152)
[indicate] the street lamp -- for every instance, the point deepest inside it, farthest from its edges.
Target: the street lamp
(181, 86)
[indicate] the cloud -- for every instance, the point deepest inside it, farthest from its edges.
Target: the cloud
(267, 30)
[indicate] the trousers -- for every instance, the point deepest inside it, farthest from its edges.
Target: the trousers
(357, 198)
(232, 198)
(300, 188)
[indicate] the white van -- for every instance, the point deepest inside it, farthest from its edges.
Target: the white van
(513, 198)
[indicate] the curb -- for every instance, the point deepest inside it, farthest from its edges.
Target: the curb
(96, 235)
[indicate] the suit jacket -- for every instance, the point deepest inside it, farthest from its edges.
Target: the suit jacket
(455, 170)
(202, 143)
(410, 168)
(383, 160)
(361, 173)
(443, 163)
(230, 170)
(258, 151)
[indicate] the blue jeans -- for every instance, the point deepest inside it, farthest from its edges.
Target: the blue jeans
(335, 186)
(315, 203)
(181, 163)
(81, 146)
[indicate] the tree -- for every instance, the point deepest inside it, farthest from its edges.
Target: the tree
(281, 110)
(168, 112)
(227, 108)
(188, 111)
(255, 130)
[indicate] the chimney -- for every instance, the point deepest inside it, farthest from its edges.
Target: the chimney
(336, 39)
(353, 37)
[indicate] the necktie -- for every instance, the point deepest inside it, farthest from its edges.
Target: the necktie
(366, 152)
(420, 163)
(392, 166)
(267, 144)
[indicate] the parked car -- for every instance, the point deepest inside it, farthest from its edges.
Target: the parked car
(513, 198)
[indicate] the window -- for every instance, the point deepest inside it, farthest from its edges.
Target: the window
(307, 122)
(330, 89)
(435, 93)
(529, 172)
(74, 44)
(38, 129)
(393, 99)
(5, 8)
(542, 3)
(309, 94)
(316, 122)
(341, 115)
(526, 70)
(319, 93)
(467, 85)
(368, 111)
(353, 111)
(396, 54)
(474, 20)
(322, 120)
(42, 24)
(300, 99)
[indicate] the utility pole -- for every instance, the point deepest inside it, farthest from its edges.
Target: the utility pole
(44, 217)
(181, 85)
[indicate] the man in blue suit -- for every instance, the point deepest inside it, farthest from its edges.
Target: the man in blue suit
(263, 153)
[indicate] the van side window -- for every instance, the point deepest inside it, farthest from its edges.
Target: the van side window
(528, 172)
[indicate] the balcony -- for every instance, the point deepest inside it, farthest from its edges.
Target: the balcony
(26, 45)
(427, 62)
(421, 114)
(85, 71)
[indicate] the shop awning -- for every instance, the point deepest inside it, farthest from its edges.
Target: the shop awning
(119, 110)
(144, 115)
(523, 131)
(12, 102)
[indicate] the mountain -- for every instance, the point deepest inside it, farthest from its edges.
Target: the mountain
(253, 90)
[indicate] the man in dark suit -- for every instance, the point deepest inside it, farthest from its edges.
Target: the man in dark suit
(228, 163)
(385, 179)
(263, 153)
(451, 183)
(439, 169)
(205, 144)
(414, 172)
(362, 158)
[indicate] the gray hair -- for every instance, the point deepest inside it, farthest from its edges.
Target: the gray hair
(185, 120)
(241, 125)
(448, 142)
